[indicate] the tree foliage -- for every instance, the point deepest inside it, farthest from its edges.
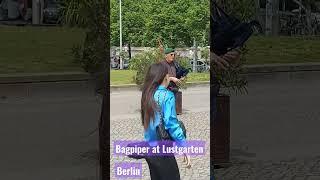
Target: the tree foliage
(242, 9)
(177, 23)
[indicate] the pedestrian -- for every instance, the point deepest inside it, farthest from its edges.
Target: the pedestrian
(156, 99)
(171, 65)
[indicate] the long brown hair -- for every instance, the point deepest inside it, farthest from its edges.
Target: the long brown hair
(154, 77)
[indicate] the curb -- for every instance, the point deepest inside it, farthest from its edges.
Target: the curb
(270, 68)
(82, 76)
(44, 77)
(134, 86)
(124, 87)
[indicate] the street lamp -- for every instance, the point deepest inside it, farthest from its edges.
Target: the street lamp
(120, 12)
(194, 65)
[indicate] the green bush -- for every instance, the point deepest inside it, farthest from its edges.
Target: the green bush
(141, 63)
(205, 54)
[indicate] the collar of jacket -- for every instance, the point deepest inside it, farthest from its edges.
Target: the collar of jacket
(162, 87)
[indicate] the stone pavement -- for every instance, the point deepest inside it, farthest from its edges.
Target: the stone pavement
(198, 128)
(45, 128)
(275, 130)
(291, 169)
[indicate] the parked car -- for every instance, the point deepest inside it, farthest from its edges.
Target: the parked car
(126, 63)
(201, 65)
(114, 63)
(51, 12)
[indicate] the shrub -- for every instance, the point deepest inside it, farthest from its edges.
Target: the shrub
(205, 54)
(141, 63)
(184, 62)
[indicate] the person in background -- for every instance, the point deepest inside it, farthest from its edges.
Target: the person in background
(169, 62)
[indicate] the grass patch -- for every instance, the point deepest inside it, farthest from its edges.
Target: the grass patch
(38, 49)
(196, 77)
(48, 49)
(268, 50)
(118, 77)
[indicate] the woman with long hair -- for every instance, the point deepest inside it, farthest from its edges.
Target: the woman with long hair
(156, 99)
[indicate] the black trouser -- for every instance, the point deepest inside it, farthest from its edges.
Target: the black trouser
(163, 168)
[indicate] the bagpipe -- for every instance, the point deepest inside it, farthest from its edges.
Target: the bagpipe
(228, 32)
(180, 71)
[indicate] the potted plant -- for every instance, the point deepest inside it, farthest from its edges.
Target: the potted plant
(230, 81)
(225, 84)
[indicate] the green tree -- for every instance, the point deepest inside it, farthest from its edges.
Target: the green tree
(175, 22)
(245, 10)
(133, 22)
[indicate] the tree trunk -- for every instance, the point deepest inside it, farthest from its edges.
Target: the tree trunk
(275, 18)
(308, 18)
(269, 14)
(257, 7)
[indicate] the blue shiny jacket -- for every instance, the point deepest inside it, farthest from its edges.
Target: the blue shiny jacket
(170, 117)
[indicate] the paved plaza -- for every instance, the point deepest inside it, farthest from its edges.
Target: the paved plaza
(126, 125)
(274, 129)
(290, 169)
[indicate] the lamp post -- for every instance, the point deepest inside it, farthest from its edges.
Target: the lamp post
(194, 65)
(121, 61)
